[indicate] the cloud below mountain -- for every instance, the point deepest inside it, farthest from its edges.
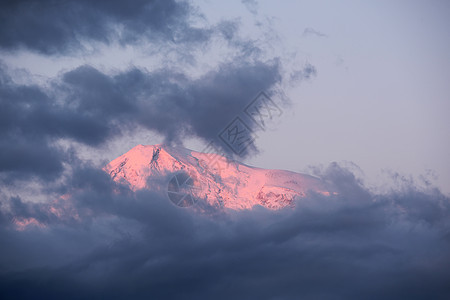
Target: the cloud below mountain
(357, 244)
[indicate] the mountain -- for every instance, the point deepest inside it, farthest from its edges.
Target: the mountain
(188, 177)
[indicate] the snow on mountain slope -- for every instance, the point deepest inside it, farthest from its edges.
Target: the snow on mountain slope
(220, 182)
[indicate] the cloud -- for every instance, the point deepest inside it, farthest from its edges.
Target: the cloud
(32, 119)
(307, 72)
(312, 32)
(90, 107)
(171, 103)
(251, 5)
(90, 237)
(356, 244)
(54, 27)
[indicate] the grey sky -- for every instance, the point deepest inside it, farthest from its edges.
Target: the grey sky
(380, 98)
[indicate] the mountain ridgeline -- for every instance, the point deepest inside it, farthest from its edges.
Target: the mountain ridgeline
(188, 177)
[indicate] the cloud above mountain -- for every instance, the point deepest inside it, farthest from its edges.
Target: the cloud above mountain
(91, 107)
(55, 27)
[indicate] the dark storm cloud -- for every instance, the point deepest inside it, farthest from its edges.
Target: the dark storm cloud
(169, 102)
(31, 119)
(354, 245)
(90, 107)
(52, 27)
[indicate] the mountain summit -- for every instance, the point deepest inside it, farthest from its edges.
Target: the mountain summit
(211, 178)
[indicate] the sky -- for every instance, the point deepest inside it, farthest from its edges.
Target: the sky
(378, 97)
(363, 99)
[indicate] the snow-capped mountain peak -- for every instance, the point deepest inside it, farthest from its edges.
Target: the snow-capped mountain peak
(216, 180)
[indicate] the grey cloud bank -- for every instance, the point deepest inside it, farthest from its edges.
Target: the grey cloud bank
(124, 245)
(54, 27)
(93, 107)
